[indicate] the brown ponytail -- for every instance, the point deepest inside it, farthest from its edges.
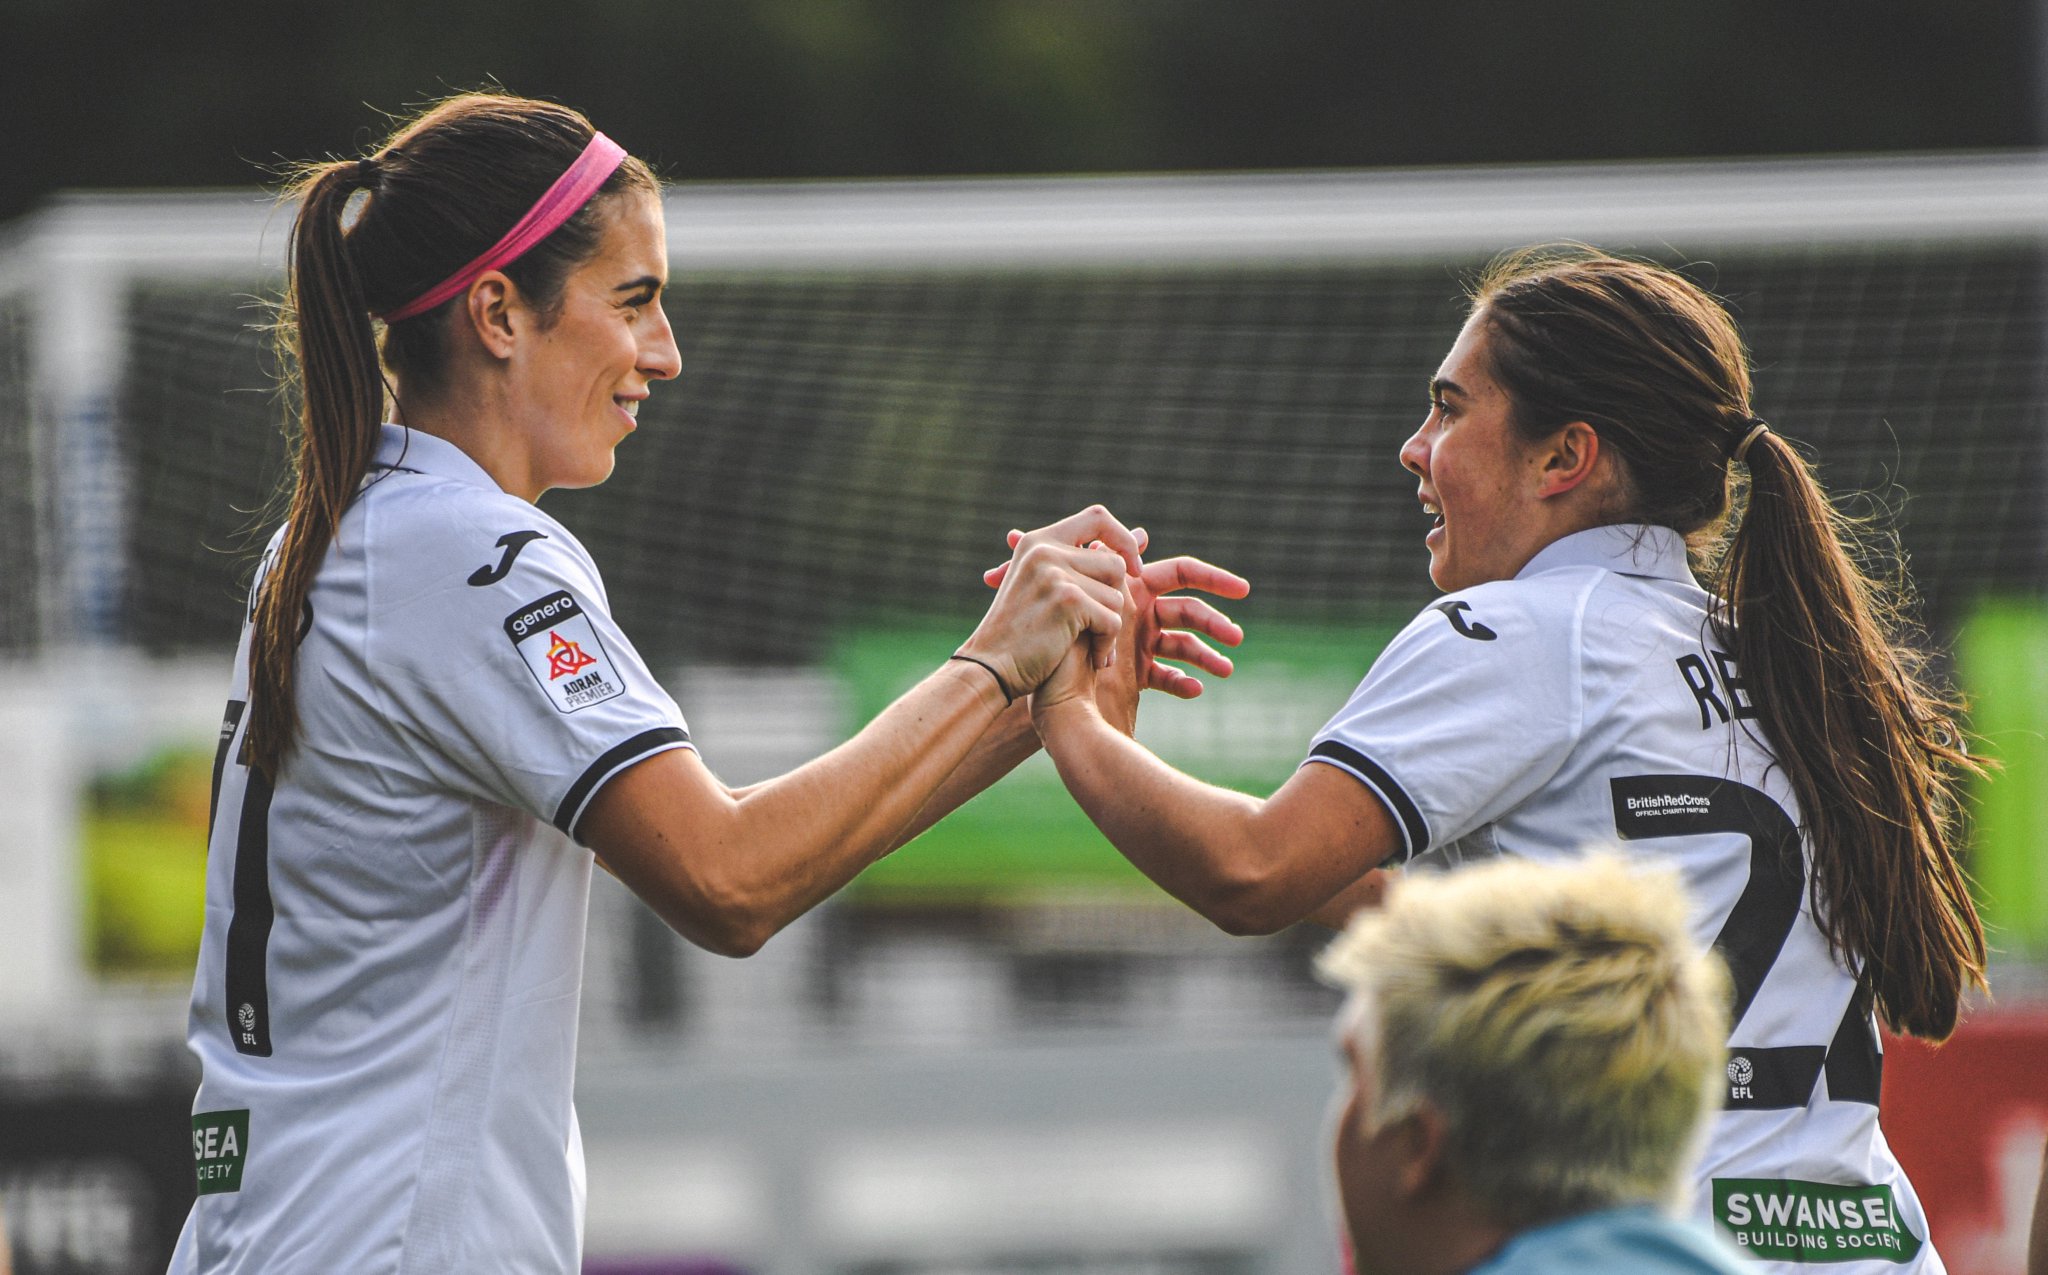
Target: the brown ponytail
(340, 408)
(1871, 746)
(444, 188)
(1869, 741)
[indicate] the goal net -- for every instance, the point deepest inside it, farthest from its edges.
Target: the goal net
(881, 379)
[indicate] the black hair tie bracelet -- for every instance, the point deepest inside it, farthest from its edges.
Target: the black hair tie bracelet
(1008, 698)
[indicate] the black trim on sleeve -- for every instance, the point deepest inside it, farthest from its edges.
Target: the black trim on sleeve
(1405, 810)
(615, 759)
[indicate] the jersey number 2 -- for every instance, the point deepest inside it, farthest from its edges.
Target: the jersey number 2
(1649, 807)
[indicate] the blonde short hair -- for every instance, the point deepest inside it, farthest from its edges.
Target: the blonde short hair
(1561, 1019)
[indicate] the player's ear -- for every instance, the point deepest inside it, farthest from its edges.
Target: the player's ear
(1566, 459)
(1418, 1144)
(489, 306)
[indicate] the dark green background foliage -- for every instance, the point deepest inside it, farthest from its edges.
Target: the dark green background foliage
(135, 92)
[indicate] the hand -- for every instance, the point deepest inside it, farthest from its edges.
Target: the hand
(1112, 690)
(1117, 687)
(1061, 582)
(1076, 677)
(1168, 627)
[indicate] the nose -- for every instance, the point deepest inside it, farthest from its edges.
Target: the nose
(660, 360)
(1415, 452)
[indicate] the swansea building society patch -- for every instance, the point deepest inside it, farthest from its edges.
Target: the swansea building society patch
(1787, 1220)
(563, 652)
(220, 1142)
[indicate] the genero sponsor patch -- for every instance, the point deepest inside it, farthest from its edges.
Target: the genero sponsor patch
(1786, 1220)
(220, 1141)
(563, 652)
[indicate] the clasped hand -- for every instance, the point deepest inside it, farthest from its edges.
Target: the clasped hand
(1084, 612)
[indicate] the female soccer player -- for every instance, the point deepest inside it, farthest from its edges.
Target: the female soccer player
(1771, 735)
(433, 715)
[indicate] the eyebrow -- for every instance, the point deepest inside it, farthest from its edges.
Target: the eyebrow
(644, 281)
(1438, 387)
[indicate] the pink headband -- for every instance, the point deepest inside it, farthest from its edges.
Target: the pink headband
(570, 192)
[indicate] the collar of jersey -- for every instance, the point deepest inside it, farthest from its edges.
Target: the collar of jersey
(423, 453)
(1631, 549)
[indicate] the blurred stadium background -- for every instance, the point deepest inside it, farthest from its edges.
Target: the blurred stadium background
(1001, 1052)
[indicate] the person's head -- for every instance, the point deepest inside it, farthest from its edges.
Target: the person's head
(508, 251)
(1598, 390)
(1582, 390)
(1525, 1042)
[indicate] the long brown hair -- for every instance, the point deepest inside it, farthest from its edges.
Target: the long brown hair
(440, 191)
(1868, 739)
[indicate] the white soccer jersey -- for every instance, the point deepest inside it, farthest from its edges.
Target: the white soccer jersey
(386, 999)
(1586, 703)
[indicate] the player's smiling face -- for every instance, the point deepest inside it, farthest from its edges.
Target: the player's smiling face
(1479, 480)
(581, 380)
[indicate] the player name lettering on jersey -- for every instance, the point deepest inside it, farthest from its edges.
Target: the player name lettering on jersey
(563, 652)
(1721, 694)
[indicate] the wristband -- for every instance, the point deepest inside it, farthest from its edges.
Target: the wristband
(1007, 697)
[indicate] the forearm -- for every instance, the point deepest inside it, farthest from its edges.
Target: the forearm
(728, 869)
(1001, 749)
(1369, 891)
(815, 828)
(1196, 841)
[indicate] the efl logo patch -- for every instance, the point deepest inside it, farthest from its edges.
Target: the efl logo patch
(563, 652)
(220, 1141)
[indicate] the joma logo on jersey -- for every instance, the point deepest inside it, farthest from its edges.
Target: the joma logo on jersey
(511, 542)
(1454, 611)
(563, 651)
(220, 1141)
